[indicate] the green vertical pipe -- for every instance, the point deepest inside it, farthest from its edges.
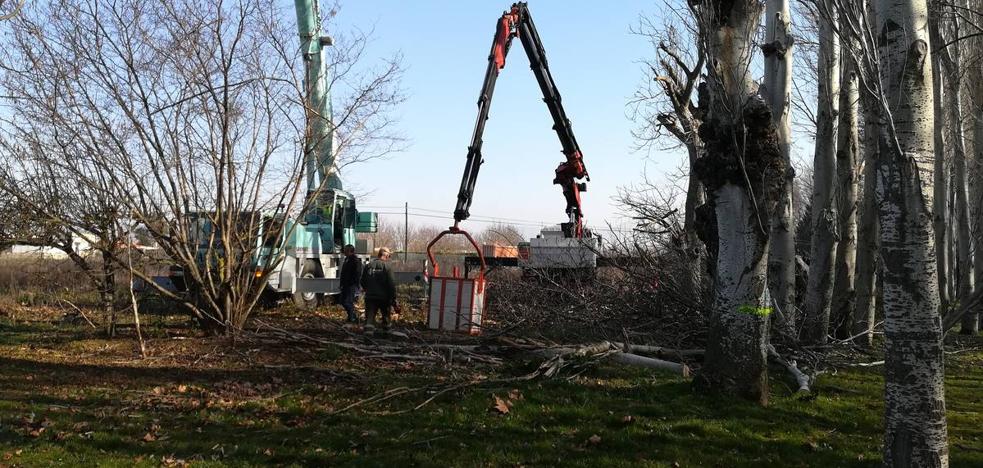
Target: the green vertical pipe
(319, 155)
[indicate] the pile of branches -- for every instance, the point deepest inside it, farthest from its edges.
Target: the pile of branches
(479, 355)
(629, 302)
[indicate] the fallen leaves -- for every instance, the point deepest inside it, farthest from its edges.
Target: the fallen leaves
(152, 433)
(171, 461)
(504, 405)
(34, 427)
(500, 405)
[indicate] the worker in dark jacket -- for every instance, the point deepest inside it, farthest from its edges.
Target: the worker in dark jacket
(379, 286)
(351, 275)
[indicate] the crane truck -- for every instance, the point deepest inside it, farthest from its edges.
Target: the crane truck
(571, 245)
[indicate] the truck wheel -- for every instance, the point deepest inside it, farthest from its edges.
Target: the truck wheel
(307, 300)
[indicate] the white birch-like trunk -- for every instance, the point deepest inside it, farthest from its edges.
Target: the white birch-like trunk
(739, 167)
(868, 237)
(777, 91)
(915, 427)
(976, 186)
(736, 357)
(941, 183)
(819, 291)
(963, 236)
(847, 151)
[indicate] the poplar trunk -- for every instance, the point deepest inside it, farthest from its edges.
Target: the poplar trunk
(777, 89)
(819, 291)
(915, 427)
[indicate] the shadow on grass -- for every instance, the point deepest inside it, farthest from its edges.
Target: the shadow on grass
(638, 418)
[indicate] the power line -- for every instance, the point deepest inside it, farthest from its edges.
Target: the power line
(473, 217)
(477, 220)
(527, 223)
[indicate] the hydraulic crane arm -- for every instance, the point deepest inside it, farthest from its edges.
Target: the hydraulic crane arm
(518, 22)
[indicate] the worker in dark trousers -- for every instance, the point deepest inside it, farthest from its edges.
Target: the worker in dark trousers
(351, 275)
(379, 287)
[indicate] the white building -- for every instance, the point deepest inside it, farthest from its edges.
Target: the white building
(80, 245)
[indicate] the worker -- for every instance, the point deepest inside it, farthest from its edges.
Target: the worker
(379, 287)
(351, 275)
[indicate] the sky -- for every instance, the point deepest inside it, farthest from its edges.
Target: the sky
(594, 59)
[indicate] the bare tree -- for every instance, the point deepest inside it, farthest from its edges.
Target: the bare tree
(976, 175)
(53, 211)
(847, 155)
(777, 91)
(666, 109)
(895, 67)
(819, 292)
(943, 239)
(500, 234)
(743, 170)
(868, 238)
(950, 59)
(190, 117)
(915, 408)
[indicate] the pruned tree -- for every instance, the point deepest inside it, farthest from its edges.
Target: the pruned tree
(665, 108)
(743, 170)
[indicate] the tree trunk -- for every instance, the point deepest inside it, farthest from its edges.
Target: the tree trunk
(819, 291)
(742, 169)
(694, 198)
(950, 58)
(777, 89)
(847, 150)
(941, 174)
(107, 293)
(915, 427)
(964, 235)
(976, 186)
(868, 236)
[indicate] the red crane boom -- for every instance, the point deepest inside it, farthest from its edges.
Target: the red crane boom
(518, 22)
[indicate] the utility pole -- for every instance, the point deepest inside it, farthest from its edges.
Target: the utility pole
(406, 231)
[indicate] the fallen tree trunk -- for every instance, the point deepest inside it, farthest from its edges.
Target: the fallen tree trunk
(800, 377)
(606, 349)
(660, 351)
(651, 363)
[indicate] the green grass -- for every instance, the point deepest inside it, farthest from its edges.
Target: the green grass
(101, 415)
